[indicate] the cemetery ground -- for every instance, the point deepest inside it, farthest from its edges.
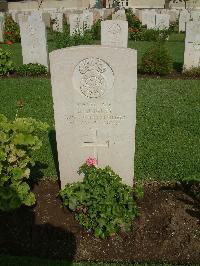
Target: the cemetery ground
(167, 150)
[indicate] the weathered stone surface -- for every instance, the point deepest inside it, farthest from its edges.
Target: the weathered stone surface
(47, 19)
(183, 19)
(192, 45)
(2, 18)
(76, 23)
(119, 15)
(114, 33)
(151, 19)
(57, 19)
(94, 94)
(195, 15)
(33, 39)
(162, 21)
(87, 19)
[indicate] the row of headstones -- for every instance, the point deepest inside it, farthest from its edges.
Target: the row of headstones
(154, 20)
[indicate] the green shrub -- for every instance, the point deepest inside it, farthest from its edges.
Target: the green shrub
(63, 40)
(134, 25)
(11, 31)
(6, 64)
(193, 72)
(96, 30)
(103, 204)
(156, 60)
(18, 139)
(32, 70)
(154, 35)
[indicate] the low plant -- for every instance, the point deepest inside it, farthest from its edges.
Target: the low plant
(102, 203)
(156, 60)
(96, 30)
(11, 31)
(6, 64)
(154, 35)
(18, 139)
(63, 40)
(193, 72)
(32, 70)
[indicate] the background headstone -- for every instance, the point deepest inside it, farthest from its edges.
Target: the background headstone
(87, 19)
(47, 19)
(151, 19)
(94, 94)
(33, 39)
(114, 33)
(76, 24)
(2, 19)
(195, 15)
(192, 45)
(119, 15)
(183, 19)
(162, 21)
(57, 20)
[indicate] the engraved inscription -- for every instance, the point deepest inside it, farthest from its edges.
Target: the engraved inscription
(93, 77)
(89, 113)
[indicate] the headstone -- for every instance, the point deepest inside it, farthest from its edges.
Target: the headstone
(195, 15)
(143, 15)
(47, 19)
(57, 20)
(151, 20)
(183, 19)
(114, 33)
(87, 19)
(162, 21)
(2, 18)
(94, 94)
(173, 15)
(76, 24)
(192, 45)
(119, 15)
(33, 39)
(14, 15)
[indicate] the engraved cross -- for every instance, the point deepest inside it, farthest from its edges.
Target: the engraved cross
(95, 144)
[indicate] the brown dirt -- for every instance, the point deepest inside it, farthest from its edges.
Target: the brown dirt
(168, 229)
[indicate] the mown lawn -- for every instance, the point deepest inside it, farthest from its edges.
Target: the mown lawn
(167, 132)
(175, 46)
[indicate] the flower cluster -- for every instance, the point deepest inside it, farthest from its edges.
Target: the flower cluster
(91, 161)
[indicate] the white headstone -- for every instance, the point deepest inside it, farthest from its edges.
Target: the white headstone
(143, 15)
(192, 45)
(183, 19)
(33, 39)
(114, 33)
(162, 21)
(119, 15)
(76, 24)
(195, 15)
(94, 95)
(2, 19)
(57, 18)
(151, 20)
(87, 19)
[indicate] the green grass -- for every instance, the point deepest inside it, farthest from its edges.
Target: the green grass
(175, 46)
(22, 261)
(167, 132)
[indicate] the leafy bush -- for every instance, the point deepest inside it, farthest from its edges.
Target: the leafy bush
(96, 30)
(18, 139)
(102, 203)
(154, 35)
(64, 39)
(134, 25)
(193, 72)
(31, 70)
(6, 64)
(11, 31)
(156, 60)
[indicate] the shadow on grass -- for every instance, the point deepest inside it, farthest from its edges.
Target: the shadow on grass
(22, 235)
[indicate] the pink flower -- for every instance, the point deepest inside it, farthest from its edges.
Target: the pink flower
(91, 161)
